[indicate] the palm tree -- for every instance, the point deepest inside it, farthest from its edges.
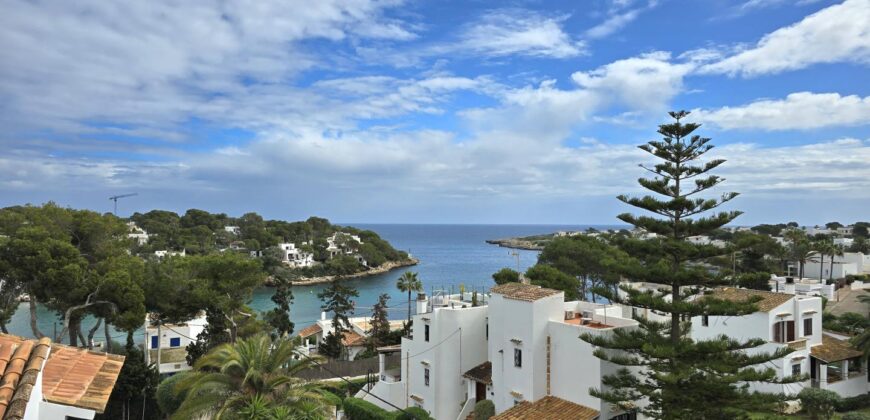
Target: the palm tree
(249, 376)
(409, 282)
(800, 248)
(834, 251)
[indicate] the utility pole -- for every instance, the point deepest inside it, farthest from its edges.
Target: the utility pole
(116, 197)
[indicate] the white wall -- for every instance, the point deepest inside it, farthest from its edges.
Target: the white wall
(53, 411)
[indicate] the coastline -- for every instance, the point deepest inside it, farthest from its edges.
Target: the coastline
(516, 243)
(383, 268)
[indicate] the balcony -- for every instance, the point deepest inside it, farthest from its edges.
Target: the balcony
(799, 344)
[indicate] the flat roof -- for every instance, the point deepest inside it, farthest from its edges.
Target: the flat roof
(522, 291)
(769, 300)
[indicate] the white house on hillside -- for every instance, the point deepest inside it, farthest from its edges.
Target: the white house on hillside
(138, 234)
(844, 265)
(168, 343)
(295, 257)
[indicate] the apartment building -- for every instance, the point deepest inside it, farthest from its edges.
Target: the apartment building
(521, 348)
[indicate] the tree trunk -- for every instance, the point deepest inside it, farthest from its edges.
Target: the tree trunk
(821, 268)
(34, 326)
(831, 273)
(92, 332)
(71, 327)
(3, 328)
(409, 306)
(108, 336)
(82, 338)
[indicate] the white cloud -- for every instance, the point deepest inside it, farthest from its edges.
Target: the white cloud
(839, 33)
(645, 82)
(618, 17)
(798, 111)
(523, 32)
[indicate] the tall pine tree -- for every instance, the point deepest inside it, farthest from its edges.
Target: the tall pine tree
(336, 299)
(676, 376)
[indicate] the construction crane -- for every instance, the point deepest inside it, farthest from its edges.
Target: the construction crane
(116, 197)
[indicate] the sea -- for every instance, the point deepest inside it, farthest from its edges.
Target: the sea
(451, 257)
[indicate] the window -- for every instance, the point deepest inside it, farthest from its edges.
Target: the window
(426, 376)
(487, 328)
(154, 341)
(426, 332)
(625, 416)
(175, 342)
(783, 331)
(808, 327)
(705, 321)
(518, 358)
(796, 369)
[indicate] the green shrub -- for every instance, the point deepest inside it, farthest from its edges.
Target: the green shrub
(412, 413)
(819, 403)
(855, 416)
(358, 409)
(167, 399)
(484, 410)
(854, 403)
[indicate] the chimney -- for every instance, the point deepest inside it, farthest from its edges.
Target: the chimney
(524, 279)
(323, 316)
(422, 303)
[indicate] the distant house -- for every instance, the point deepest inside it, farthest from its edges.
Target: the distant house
(353, 340)
(42, 380)
(235, 230)
(137, 233)
(342, 243)
(164, 253)
(844, 242)
(295, 257)
(171, 343)
(844, 265)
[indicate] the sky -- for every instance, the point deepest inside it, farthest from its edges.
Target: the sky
(436, 111)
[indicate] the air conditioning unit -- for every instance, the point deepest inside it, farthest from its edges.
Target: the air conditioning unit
(569, 315)
(789, 280)
(587, 314)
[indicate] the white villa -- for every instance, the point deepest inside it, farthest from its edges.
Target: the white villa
(522, 351)
(353, 340)
(337, 244)
(167, 344)
(137, 233)
(164, 253)
(295, 257)
(844, 265)
(234, 230)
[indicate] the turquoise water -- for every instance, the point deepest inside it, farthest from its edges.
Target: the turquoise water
(449, 255)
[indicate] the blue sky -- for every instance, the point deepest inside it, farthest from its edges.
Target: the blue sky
(430, 111)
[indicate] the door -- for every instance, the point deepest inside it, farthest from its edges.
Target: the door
(479, 391)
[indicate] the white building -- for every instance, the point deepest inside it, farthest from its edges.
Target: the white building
(342, 243)
(706, 240)
(792, 321)
(138, 234)
(804, 287)
(295, 257)
(168, 343)
(235, 230)
(163, 253)
(353, 340)
(844, 242)
(844, 265)
(523, 348)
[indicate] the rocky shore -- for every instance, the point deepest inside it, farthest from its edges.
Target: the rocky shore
(383, 268)
(516, 243)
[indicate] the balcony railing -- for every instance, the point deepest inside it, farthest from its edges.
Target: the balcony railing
(798, 344)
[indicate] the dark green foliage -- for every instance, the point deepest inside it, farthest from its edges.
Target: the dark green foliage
(336, 299)
(412, 413)
(483, 410)
(589, 258)
(854, 403)
(849, 322)
(279, 316)
(757, 281)
(770, 230)
(167, 398)
(506, 275)
(359, 409)
(550, 277)
(681, 378)
(214, 334)
(861, 230)
(818, 403)
(855, 416)
(380, 332)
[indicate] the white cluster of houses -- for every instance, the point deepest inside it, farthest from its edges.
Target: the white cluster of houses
(521, 351)
(353, 340)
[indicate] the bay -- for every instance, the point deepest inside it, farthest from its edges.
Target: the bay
(450, 256)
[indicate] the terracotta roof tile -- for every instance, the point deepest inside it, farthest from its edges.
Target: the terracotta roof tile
(80, 377)
(769, 300)
(550, 408)
(521, 291)
(481, 373)
(833, 350)
(351, 338)
(310, 330)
